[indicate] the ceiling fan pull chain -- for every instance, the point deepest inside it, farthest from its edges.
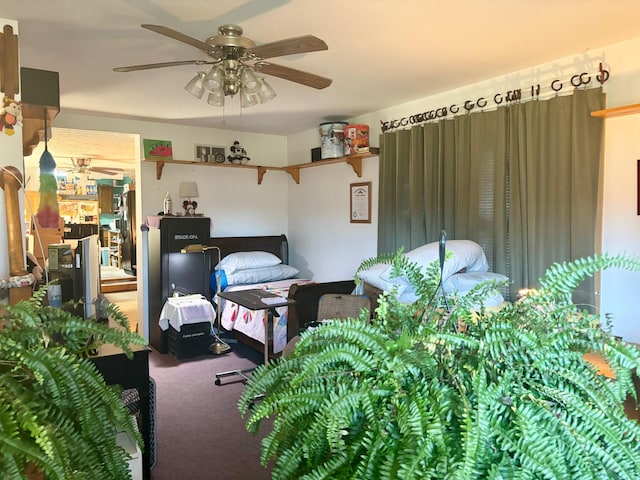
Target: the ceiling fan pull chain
(46, 149)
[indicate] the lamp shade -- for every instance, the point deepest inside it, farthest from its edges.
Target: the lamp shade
(188, 189)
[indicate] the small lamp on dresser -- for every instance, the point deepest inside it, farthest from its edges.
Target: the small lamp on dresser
(189, 190)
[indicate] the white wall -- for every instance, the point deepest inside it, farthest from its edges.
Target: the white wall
(621, 225)
(324, 244)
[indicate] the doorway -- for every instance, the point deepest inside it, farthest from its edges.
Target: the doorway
(95, 168)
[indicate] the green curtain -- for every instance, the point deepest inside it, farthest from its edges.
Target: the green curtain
(522, 181)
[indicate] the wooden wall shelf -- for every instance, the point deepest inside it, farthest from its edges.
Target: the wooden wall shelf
(617, 111)
(33, 125)
(294, 170)
(161, 163)
(354, 160)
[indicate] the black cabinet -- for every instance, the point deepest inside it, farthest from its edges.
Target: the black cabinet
(184, 273)
(105, 198)
(117, 369)
(128, 237)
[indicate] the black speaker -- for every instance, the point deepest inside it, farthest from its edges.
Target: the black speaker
(316, 154)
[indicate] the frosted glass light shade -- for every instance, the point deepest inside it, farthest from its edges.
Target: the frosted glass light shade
(249, 81)
(196, 85)
(214, 79)
(248, 99)
(266, 93)
(216, 99)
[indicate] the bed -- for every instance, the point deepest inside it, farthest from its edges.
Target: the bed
(248, 325)
(461, 272)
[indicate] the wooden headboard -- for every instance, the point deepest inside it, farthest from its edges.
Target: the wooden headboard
(276, 244)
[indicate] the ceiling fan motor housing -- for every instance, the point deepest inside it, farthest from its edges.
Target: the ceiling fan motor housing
(230, 36)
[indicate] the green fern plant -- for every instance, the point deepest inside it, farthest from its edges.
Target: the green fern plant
(410, 395)
(56, 412)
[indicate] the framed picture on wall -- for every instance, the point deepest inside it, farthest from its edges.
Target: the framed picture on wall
(157, 149)
(209, 154)
(360, 202)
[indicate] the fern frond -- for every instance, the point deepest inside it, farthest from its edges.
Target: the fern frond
(411, 397)
(56, 412)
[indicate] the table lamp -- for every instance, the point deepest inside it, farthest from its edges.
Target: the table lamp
(218, 347)
(189, 190)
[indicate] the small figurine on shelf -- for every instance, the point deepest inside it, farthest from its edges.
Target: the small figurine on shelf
(238, 154)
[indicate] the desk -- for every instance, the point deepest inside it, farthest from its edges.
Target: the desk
(117, 369)
(256, 299)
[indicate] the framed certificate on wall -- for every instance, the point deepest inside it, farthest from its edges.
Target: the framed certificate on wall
(361, 202)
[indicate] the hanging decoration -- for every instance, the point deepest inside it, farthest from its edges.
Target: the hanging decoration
(10, 115)
(48, 210)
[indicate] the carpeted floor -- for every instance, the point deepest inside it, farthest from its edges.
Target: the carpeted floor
(200, 433)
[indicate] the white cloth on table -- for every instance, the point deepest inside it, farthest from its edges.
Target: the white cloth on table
(178, 311)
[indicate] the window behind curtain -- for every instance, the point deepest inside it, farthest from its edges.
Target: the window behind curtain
(522, 181)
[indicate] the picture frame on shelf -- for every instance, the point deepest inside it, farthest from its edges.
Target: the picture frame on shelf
(157, 149)
(209, 153)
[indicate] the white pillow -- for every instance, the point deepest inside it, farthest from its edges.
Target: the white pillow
(244, 260)
(260, 275)
(373, 277)
(463, 282)
(467, 255)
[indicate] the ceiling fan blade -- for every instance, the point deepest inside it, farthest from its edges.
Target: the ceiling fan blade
(107, 171)
(181, 37)
(290, 46)
(149, 66)
(298, 76)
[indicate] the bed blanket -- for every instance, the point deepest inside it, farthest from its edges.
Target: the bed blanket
(252, 322)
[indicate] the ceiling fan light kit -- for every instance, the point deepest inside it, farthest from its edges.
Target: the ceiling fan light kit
(236, 63)
(223, 80)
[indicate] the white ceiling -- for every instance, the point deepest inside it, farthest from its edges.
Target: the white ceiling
(381, 52)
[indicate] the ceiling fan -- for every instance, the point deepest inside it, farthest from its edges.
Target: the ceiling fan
(233, 56)
(82, 166)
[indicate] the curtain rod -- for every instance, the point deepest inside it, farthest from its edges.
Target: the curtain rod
(579, 80)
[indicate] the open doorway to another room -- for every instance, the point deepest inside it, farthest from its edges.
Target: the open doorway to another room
(95, 174)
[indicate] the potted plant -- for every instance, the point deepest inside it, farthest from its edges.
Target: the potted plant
(58, 418)
(414, 395)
